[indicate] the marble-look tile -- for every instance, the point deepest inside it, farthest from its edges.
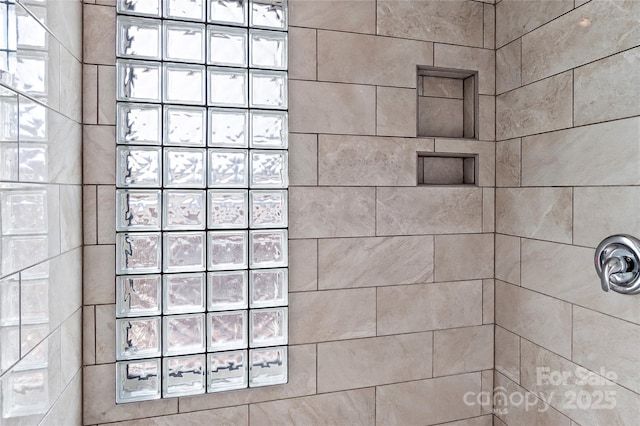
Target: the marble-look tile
(303, 265)
(514, 18)
(64, 20)
(487, 118)
(509, 66)
(619, 405)
(566, 272)
(71, 347)
(352, 364)
(53, 212)
(543, 213)
(578, 156)
(485, 151)
(368, 59)
(463, 257)
(508, 163)
(368, 161)
(64, 149)
(302, 53)
(440, 87)
(89, 215)
(543, 106)
(604, 90)
(602, 342)
(67, 409)
(428, 210)
(395, 112)
(10, 335)
(406, 309)
(65, 278)
(100, 264)
(534, 316)
(462, 350)
(468, 58)
(106, 95)
(440, 117)
(340, 15)
(335, 108)
(427, 402)
(487, 386)
(88, 335)
(70, 217)
(90, 94)
(319, 316)
(456, 22)
(488, 209)
(507, 355)
(508, 258)
(70, 86)
(99, 155)
(106, 214)
(581, 33)
(355, 407)
(488, 301)
(99, 38)
(486, 420)
(303, 159)
(105, 334)
(237, 416)
(331, 212)
(489, 26)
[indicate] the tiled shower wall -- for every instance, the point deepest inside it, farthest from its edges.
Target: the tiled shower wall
(568, 150)
(391, 304)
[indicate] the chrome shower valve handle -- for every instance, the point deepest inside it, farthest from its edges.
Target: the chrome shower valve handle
(617, 262)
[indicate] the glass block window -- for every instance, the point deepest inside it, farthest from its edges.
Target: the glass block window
(201, 226)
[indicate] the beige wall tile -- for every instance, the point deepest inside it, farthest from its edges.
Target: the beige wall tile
(508, 258)
(106, 214)
(349, 408)
(331, 108)
(303, 265)
(577, 157)
(463, 257)
(507, 356)
(99, 38)
(236, 416)
(617, 23)
(440, 117)
(341, 15)
(396, 112)
(462, 350)
(508, 163)
(422, 307)
(90, 94)
(378, 261)
(319, 316)
(467, 58)
(99, 154)
(368, 59)
(88, 335)
(98, 283)
(441, 87)
(303, 159)
(302, 53)
(488, 209)
(366, 362)
(368, 161)
(106, 95)
(89, 215)
(427, 402)
(487, 386)
(534, 316)
(105, 334)
(487, 118)
(64, 150)
(489, 26)
(515, 18)
(428, 210)
(604, 90)
(474, 421)
(331, 212)
(485, 151)
(601, 342)
(509, 66)
(456, 22)
(543, 213)
(539, 107)
(488, 301)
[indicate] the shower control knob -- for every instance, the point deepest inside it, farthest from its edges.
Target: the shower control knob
(617, 262)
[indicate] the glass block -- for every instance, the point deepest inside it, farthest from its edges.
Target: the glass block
(268, 248)
(138, 167)
(227, 330)
(184, 167)
(227, 46)
(227, 290)
(183, 375)
(269, 129)
(228, 168)
(24, 393)
(21, 251)
(184, 251)
(185, 126)
(183, 42)
(137, 338)
(227, 250)
(138, 296)
(268, 366)
(228, 127)
(227, 209)
(184, 293)
(33, 162)
(139, 38)
(138, 253)
(268, 49)
(23, 212)
(34, 336)
(192, 10)
(184, 209)
(33, 121)
(138, 210)
(10, 301)
(139, 124)
(229, 12)
(140, 7)
(183, 334)
(227, 371)
(34, 303)
(31, 73)
(269, 287)
(137, 380)
(268, 14)
(228, 87)
(268, 327)
(268, 209)
(138, 81)
(269, 169)
(268, 89)
(184, 84)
